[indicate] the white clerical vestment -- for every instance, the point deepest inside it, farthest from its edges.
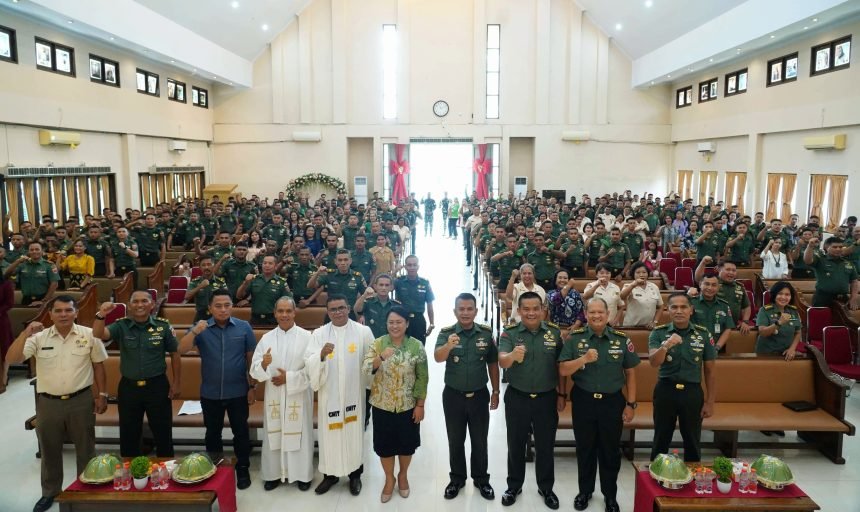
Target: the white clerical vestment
(340, 386)
(288, 441)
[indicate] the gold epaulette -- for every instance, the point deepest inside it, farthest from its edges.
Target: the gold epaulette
(769, 306)
(555, 326)
(449, 328)
(620, 333)
(661, 326)
(578, 331)
(485, 327)
(791, 306)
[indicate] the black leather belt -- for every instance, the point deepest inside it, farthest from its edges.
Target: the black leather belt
(531, 395)
(679, 384)
(466, 394)
(143, 382)
(65, 397)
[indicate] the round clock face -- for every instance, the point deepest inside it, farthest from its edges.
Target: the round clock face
(440, 108)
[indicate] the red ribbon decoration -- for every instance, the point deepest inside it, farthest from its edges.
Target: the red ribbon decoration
(483, 166)
(399, 168)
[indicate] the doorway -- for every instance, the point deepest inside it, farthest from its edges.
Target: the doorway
(439, 167)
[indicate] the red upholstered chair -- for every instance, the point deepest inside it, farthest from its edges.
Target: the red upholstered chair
(196, 272)
(765, 298)
(838, 352)
(176, 282)
(675, 256)
(753, 308)
(117, 313)
(683, 278)
(817, 318)
(748, 284)
(668, 266)
(153, 293)
(689, 262)
(176, 296)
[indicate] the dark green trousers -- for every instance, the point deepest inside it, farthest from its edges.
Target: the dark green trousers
(681, 401)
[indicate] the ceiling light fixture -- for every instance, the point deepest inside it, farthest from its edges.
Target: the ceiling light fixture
(234, 4)
(711, 60)
(70, 22)
(619, 26)
(814, 20)
(668, 76)
(173, 62)
(652, 82)
(772, 36)
(804, 28)
(111, 38)
(265, 27)
(648, 3)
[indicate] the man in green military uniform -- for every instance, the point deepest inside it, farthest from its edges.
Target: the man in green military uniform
(708, 244)
(248, 219)
(234, 269)
(222, 247)
(799, 268)
(350, 231)
(264, 289)
(150, 241)
(776, 231)
(375, 303)
(710, 311)
(124, 250)
(631, 237)
(99, 249)
(227, 221)
(573, 254)
(740, 247)
(143, 389)
(535, 394)
(506, 261)
(210, 226)
(680, 349)
(340, 280)
(298, 275)
(415, 293)
(471, 359)
(188, 231)
(38, 278)
(615, 254)
(730, 291)
(543, 260)
(327, 256)
(835, 276)
(429, 210)
(17, 249)
(602, 361)
(201, 288)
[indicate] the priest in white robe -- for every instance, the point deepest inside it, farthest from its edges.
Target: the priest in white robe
(279, 363)
(333, 362)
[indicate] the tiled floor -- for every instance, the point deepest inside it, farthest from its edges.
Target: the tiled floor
(833, 487)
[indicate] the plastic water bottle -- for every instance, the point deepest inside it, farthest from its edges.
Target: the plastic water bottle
(699, 476)
(117, 478)
(743, 481)
(164, 474)
(126, 477)
(752, 488)
(155, 478)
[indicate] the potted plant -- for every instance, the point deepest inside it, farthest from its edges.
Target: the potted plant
(723, 468)
(140, 471)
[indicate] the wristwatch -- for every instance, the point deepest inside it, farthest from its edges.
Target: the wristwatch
(99, 317)
(632, 405)
(103, 394)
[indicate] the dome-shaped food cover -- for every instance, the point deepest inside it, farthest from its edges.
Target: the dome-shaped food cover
(195, 467)
(670, 471)
(100, 469)
(772, 473)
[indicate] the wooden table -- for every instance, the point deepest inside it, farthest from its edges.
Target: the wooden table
(163, 501)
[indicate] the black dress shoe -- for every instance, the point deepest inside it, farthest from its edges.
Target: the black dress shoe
(44, 503)
(243, 478)
(581, 501)
(355, 486)
(304, 486)
(268, 485)
(612, 506)
(549, 499)
(452, 490)
(510, 496)
(326, 484)
(486, 491)
(780, 433)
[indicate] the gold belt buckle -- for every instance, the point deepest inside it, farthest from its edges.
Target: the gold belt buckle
(598, 396)
(532, 395)
(65, 397)
(679, 386)
(469, 395)
(141, 383)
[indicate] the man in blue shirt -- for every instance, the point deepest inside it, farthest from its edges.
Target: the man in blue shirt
(226, 345)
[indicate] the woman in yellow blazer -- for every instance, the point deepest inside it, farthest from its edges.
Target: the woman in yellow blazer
(80, 266)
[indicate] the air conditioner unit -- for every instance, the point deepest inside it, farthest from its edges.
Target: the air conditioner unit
(52, 137)
(177, 145)
(707, 147)
(307, 136)
(576, 136)
(825, 142)
(359, 189)
(521, 186)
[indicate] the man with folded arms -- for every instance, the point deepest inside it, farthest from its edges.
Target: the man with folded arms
(279, 363)
(334, 360)
(68, 360)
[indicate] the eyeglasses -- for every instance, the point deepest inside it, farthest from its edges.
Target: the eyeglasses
(339, 309)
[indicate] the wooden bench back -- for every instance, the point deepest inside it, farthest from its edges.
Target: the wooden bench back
(309, 318)
(122, 291)
(105, 288)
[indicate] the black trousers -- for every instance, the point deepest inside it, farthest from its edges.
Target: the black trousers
(149, 258)
(597, 427)
(100, 269)
(463, 412)
(265, 320)
(524, 413)
(802, 273)
(412, 239)
(452, 227)
(823, 299)
(575, 272)
(213, 419)
(467, 243)
(417, 327)
(681, 401)
(151, 399)
(428, 223)
(546, 284)
(201, 315)
(355, 474)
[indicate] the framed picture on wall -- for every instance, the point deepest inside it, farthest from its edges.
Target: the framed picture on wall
(831, 56)
(204, 101)
(110, 73)
(64, 60)
(679, 102)
(141, 82)
(704, 92)
(822, 59)
(708, 90)
(180, 92)
(198, 97)
(8, 45)
(842, 55)
(742, 81)
(776, 72)
(171, 89)
(714, 89)
(194, 96)
(152, 84)
(44, 58)
(95, 69)
(689, 97)
(732, 87)
(791, 68)
(55, 57)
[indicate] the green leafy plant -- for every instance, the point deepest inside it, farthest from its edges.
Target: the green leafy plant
(723, 468)
(140, 467)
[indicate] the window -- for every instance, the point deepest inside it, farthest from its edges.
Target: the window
(199, 97)
(782, 70)
(495, 154)
(55, 57)
(736, 83)
(828, 200)
(59, 195)
(104, 71)
(176, 90)
(147, 83)
(684, 97)
(708, 90)
(493, 62)
(831, 56)
(8, 45)
(389, 72)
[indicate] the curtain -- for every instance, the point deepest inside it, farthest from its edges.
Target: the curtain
(95, 204)
(106, 191)
(741, 191)
(817, 186)
(399, 168)
(483, 166)
(57, 192)
(13, 205)
(30, 199)
(789, 182)
(707, 185)
(71, 200)
(145, 197)
(772, 195)
(83, 194)
(735, 190)
(835, 201)
(44, 197)
(685, 184)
